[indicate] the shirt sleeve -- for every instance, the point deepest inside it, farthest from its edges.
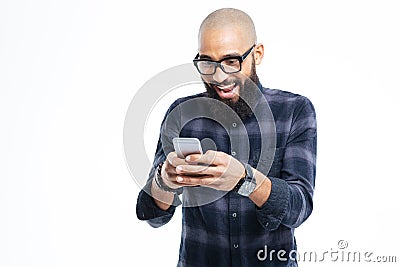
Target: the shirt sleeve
(146, 208)
(290, 202)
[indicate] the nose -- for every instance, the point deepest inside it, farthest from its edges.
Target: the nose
(220, 76)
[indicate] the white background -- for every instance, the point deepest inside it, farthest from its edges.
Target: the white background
(69, 69)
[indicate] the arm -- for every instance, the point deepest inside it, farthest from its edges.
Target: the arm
(164, 186)
(162, 198)
(153, 204)
(155, 212)
(292, 177)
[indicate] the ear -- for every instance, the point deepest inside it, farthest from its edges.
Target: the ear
(258, 53)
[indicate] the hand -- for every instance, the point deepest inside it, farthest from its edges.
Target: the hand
(169, 173)
(218, 170)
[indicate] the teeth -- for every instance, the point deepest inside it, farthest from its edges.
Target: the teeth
(226, 86)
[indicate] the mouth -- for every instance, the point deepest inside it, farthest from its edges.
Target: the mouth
(228, 91)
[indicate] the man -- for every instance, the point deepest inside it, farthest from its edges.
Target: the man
(258, 210)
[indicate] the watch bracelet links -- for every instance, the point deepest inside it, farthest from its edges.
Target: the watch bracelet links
(243, 179)
(160, 183)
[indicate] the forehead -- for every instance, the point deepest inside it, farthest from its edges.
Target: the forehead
(217, 42)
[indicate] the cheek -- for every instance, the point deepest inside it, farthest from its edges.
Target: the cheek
(240, 79)
(246, 70)
(207, 78)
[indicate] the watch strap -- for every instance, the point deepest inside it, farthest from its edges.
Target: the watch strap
(248, 177)
(160, 183)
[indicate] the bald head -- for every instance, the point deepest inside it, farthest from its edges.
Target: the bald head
(226, 36)
(228, 19)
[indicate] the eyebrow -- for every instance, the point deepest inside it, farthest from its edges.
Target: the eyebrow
(225, 56)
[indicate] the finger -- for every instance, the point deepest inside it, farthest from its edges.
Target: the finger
(193, 169)
(174, 160)
(211, 157)
(189, 180)
(168, 168)
(203, 171)
(171, 181)
(181, 184)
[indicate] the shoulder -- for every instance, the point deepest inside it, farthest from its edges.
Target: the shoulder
(282, 97)
(186, 98)
(181, 100)
(285, 98)
(287, 104)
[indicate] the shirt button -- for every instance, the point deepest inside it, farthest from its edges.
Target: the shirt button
(236, 245)
(233, 153)
(234, 215)
(234, 124)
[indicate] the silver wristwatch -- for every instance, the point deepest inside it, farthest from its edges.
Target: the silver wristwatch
(246, 185)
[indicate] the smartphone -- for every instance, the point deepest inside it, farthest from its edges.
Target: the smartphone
(186, 146)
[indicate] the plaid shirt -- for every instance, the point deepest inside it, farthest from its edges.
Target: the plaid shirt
(233, 231)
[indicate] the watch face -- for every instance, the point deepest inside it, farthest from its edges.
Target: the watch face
(247, 188)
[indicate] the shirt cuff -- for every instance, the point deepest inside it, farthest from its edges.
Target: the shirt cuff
(270, 214)
(147, 210)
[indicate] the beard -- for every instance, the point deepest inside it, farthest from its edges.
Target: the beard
(242, 109)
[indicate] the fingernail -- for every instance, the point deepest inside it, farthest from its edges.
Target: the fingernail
(179, 168)
(179, 179)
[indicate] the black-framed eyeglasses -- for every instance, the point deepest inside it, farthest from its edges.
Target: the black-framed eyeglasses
(228, 65)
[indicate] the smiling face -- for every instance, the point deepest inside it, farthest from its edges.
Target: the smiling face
(222, 42)
(225, 33)
(219, 42)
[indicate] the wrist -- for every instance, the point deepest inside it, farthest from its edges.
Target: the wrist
(158, 180)
(247, 183)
